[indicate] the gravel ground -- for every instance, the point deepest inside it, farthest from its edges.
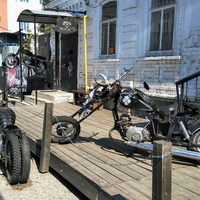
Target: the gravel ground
(43, 186)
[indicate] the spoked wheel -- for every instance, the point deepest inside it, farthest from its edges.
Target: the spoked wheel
(25, 159)
(11, 61)
(64, 129)
(12, 158)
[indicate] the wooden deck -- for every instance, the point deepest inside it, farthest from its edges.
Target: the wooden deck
(102, 168)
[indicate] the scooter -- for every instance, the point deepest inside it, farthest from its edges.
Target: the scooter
(14, 147)
(165, 123)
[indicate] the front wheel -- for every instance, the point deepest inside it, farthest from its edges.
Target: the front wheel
(11, 61)
(64, 129)
(12, 158)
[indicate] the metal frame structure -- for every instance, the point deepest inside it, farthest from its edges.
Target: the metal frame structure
(45, 17)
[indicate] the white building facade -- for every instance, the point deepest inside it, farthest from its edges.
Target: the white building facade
(159, 38)
(15, 7)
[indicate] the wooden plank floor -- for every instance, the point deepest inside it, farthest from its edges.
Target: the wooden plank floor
(100, 167)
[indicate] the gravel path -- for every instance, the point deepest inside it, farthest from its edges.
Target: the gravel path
(43, 186)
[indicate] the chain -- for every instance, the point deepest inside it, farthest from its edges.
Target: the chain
(34, 115)
(87, 155)
(151, 156)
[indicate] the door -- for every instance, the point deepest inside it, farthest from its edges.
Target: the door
(69, 46)
(44, 50)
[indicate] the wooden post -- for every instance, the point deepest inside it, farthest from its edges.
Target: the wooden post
(162, 170)
(46, 138)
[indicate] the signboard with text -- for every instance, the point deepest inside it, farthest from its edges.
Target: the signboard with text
(65, 26)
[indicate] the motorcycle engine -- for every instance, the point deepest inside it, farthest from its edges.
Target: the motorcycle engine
(138, 134)
(133, 133)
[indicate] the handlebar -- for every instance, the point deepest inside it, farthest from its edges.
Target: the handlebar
(126, 71)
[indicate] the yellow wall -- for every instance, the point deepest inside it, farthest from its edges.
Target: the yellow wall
(3, 16)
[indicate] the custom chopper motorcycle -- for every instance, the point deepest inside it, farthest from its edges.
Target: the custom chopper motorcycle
(12, 60)
(14, 147)
(166, 123)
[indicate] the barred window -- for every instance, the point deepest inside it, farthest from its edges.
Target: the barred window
(108, 35)
(162, 25)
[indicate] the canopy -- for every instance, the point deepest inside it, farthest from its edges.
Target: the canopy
(43, 16)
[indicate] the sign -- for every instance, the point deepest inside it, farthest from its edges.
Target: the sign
(65, 26)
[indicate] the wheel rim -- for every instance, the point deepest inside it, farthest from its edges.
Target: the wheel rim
(198, 142)
(11, 61)
(64, 130)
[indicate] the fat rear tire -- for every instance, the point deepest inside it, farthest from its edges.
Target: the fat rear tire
(64, 129)
(13, 158)
(25, 159)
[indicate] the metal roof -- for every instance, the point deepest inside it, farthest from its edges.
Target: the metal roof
(43, 16)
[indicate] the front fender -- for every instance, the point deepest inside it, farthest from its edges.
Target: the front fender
(13, 130)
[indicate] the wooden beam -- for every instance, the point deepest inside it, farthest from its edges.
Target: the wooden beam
(162, 170)
(46, 138)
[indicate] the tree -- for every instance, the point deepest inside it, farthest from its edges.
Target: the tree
(45, 28)
(45, 2)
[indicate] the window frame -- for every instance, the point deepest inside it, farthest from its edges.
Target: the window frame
(108, 22)
(161, 9)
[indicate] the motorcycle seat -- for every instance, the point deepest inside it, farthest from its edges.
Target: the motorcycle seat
(166, 110)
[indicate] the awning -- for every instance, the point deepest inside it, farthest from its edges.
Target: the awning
(15, 32)
(43, 16)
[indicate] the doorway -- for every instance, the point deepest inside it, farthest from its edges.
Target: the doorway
(69, 46)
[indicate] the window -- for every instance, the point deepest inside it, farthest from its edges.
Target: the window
(24, 26)
(162, 25)
(108, 35)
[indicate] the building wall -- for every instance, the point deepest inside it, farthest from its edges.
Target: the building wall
(161, 71)
(15, 7)
(3, 16)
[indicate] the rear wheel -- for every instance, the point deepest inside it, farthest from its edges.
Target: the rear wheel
(64, 129)
(25, 158)
(12, 158)
(195, 138)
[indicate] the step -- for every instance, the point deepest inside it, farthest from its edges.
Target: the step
(54, 95)
(30, 99)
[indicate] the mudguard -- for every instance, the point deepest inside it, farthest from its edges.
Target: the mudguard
(7, 117)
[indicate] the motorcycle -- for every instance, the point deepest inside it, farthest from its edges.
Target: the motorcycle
(12, 60)
(165, 123)
(14, 147)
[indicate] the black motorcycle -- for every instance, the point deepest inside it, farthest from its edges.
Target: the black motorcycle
(28, 59)
(14, 147)
(165, 123)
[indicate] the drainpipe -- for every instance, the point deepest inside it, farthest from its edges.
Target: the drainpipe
(85, 52)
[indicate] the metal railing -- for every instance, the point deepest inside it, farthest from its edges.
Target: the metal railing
(182, 89)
